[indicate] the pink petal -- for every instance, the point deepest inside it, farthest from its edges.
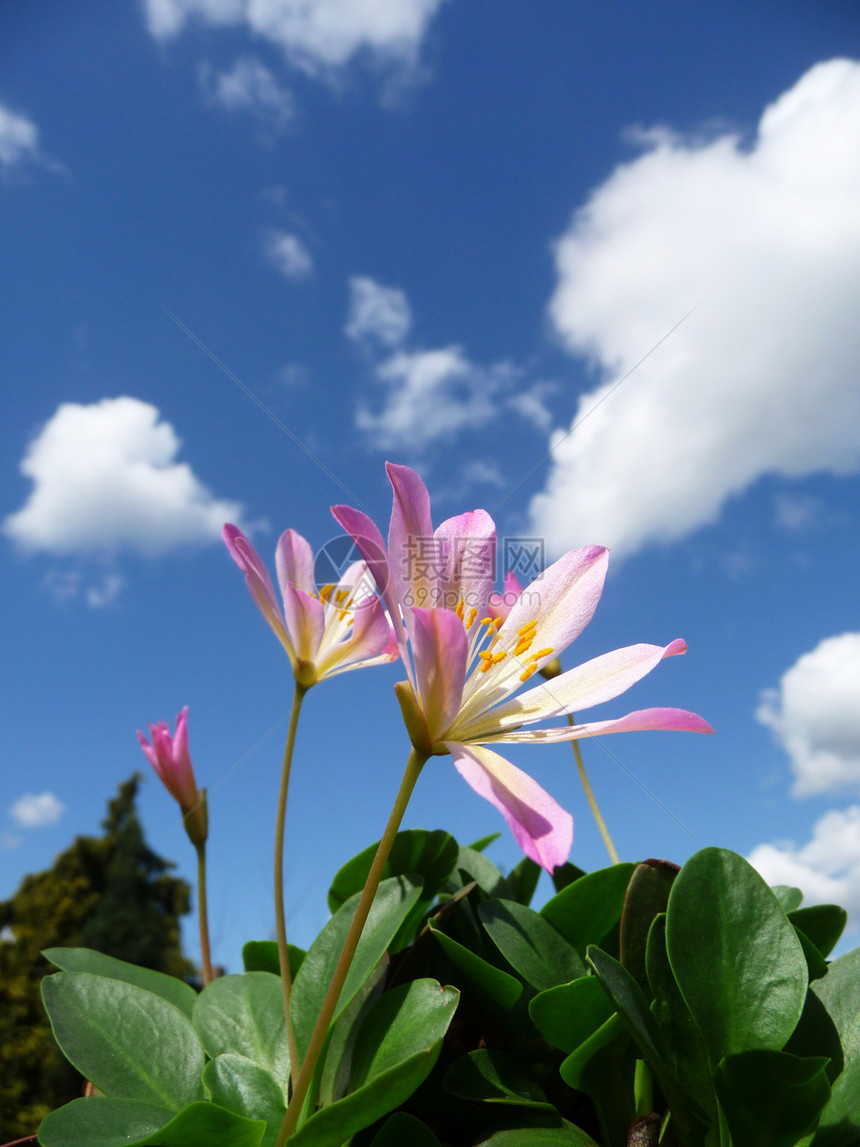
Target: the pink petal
(294, 562)
(305, 618)
(466, 561)
(411, 544)
(371, 642)
(256, 578)
(542, 828)
(440, 648)
(641, 720)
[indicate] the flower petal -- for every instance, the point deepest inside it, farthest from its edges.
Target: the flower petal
(466, 562)
(411, 545)
(641, 720)
(305, 617)
(588, 684)
(370, 642)
(542, 828)
(257, 580)
(294, 562)
(441, 649)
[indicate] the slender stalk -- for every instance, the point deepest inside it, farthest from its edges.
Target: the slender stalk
(203, 914)
(301, 1086)
(280, 919)
(592, 801)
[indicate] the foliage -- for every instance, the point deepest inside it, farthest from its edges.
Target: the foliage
(111, 893)
(694, 1000)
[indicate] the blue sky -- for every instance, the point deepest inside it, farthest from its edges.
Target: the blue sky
(592, 267)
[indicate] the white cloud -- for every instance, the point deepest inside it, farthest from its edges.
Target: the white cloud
(826, 869)
(815, 715)
(249, 86)
(764, 376)
(288, 254)
(377, 312)
(19, 138)
(796, 513)
(531, 404)
(105, 478)
(314, 34)
(34, 811)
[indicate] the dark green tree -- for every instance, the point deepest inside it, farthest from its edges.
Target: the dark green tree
(111, 893)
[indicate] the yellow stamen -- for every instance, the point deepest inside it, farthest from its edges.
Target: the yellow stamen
(540, 653)
(461, 605)
(529, 625)
(524, 676)
(523, 645)
(326, 592)
(473, 613)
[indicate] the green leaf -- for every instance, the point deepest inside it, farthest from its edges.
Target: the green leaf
(789, 898)
(574, 1067)
(402, 1128)
(244, 1015)
(472, 865)
(431, 855)
(494, 985)
(822, 923)
(397, 1046)
(248, 1089)
(734, 954)
(646, 897)
(130, 1042)
(565, 1135)
(107, 1122)
(815, 962)
(569, 1015)
(521, 882)
(262, 956)
(334, 1080)
(490, 1076)
(175, 991)
(840, 1120)
(816, 1034)
(530, 944)
(770, 1098)
(484, 842)
(394, 899)
(586, 910)
(565, 874)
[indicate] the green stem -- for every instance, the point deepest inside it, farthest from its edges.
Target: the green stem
(414, 766)
(592, 801)
(203, 914)
(280, 919)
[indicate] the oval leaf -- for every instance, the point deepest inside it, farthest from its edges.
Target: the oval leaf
(569, 1015)
(769, 1097)
(432, 855)
(587, 909)
(489, 982)
(175, 991)
(248, 1089)
(244, 1015)
(530, 944)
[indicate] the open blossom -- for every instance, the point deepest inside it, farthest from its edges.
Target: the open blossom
(468, 661)
(170, 758)
(324, 632)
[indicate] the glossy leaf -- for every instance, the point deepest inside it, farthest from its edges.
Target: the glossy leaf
(473, 865)
(815, 963)
(734, 954)
(838, 991)
(396, 1049)
(565, 874)
(175, 991)
(262, 956)
(587, 909)
(431, 855)
(490, 1076)
(816, 1034)
(404, 1130)
(490, 982)
(394, 899)
(244, 1015)
(484, 842)
(334, 1081)
(822, 923)
(530, 944)
(248, 1089)
(570, 1014)
(770, 1098)
(573, 1068)
(108, 1122)
(565, 1135)
(646, 897)
(130, 1042)
(789, 898)
(521, 882)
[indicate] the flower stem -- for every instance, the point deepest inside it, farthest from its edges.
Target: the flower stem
(592, 801)
(280, 919)
(203, 914)
(414, 766)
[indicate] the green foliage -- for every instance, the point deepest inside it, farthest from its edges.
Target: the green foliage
(111, 893)
(697, 995)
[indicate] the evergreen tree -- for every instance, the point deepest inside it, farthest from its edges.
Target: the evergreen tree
(111, 893)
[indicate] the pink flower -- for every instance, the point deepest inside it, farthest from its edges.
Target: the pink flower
(170, 759)
(467, 660)
(340, 627)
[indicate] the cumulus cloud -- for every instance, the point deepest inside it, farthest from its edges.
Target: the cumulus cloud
(826, 868)
(763, 238)
(249, 86)
(314, 34)
(35, 810)
(815, 716)
(288, 254)
(19, 144)
(105, 479)
(377, 313)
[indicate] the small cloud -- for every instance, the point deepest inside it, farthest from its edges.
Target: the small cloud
(35, 811)
(815, 716)
(288, 254)
(531, 404)
(105, 478)
(826, 868)
(249, 87)
(377, 313)
(483, 472)
(796, 513)
(98, 596)
(19, 144)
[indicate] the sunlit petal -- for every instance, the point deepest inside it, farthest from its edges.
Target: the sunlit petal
(641, 720)
(294, 562)
(441, 648)
(466, 562)
(257, 580)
